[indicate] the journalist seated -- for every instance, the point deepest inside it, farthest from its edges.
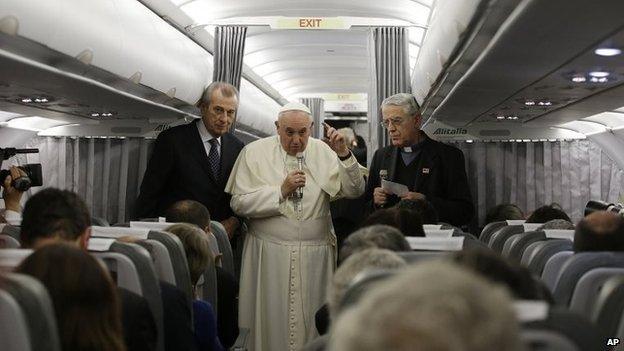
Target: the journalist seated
(408, 221)
(548, 213)
(454, 310)
(503, 212)
(599, 231)
(378, 235)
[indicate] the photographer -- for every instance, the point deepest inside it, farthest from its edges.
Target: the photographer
(12, 197)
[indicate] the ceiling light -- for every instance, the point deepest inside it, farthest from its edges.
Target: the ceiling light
(500, 117)
(529, 102)
(579, 79)
(512, 117)
(607, 52)
(599, 80)
(599, 74)
(95, 114)
(544, 103)
(469, 141)
(26, 100)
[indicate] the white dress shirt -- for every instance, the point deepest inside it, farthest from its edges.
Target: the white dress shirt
(206, 137)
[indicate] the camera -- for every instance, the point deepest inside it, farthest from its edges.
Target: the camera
(33, 177)
(593, 206)
(33, 170)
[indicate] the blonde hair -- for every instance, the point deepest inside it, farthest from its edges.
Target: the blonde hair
(196, 247)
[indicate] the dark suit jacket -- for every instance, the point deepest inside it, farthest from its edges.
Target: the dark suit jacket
(441, 177)
(177, 319)
(137, 321)
(179, 170)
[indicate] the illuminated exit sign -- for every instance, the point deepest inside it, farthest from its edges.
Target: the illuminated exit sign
(309, 23)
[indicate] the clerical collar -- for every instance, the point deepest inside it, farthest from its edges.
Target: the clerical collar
(413, 148)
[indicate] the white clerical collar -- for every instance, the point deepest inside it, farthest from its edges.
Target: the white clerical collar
(204, 134)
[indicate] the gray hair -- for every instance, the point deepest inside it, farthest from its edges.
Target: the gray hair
(379, 235)
(430, 306)
(227, 89)
(557, 224)
(357, 263)
(405, 100)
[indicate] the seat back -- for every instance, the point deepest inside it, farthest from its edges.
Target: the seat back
(14, 335)
(544, 250)
(489, 229)
(588, 288)
(10, 230)
(225, 247)
(608, 309)
(37, 309)
(161, 260)
(498, 238)
(579, 264)
(361, 284)
(8, 242)
(11, 258)
(177, 255)
(207, 285)
(509, 244)
(147, 277)
(546, 340)
(552, 269)
(521, 249)
(578, 330)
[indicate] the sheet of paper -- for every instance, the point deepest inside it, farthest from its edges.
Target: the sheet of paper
(394, 188)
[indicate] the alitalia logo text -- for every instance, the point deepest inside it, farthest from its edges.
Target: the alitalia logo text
(450, 131)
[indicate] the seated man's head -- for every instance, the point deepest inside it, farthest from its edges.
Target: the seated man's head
(83, 294)
(294, 127)
(378, 235)
(599, 231)
(189, 211)
(503, 212)
(196, 246)
(55, 215)
(426, 210)
(401, 118)
(495, 268)
(407, 221)
(369, 259)
(431, 306)
(547, 213)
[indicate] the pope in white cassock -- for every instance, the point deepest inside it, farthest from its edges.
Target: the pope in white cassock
(289, 253)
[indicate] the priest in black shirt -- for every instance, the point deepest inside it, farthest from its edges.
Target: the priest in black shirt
(431, 170)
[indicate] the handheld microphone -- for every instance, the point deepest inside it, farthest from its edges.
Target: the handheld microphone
(299, 193)
(383, 175)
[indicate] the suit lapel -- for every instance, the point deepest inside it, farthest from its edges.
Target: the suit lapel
(198, 150)
(227, 157)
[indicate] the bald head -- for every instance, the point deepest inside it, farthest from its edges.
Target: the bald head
(600, 231)
(189, 211)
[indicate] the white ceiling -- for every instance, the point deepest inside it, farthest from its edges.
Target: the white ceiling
(311, 62)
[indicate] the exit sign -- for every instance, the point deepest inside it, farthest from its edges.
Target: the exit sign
(309, 23)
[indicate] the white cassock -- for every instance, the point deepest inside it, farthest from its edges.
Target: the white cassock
(289, 254)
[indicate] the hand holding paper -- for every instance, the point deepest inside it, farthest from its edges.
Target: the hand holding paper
(394, 188)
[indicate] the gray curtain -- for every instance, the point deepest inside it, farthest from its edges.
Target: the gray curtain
(106, 173)
(229, 50)
(389, 68)
(537, 173)
(317, 107)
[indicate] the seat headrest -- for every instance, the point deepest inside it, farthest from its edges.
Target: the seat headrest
(11, 258)
(117, 232)
(436, 244)
(439, 233)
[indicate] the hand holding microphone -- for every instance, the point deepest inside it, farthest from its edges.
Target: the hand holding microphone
(379, 195)
(295, 181)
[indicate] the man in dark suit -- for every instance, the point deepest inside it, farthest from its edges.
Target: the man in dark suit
(194, 161)
(431, 170)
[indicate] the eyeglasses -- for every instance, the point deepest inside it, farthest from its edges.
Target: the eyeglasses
(394, 121)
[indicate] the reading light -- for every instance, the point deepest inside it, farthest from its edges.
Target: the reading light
(579, 79)
(529, 102)
(607, 52)
(599, 74)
